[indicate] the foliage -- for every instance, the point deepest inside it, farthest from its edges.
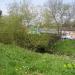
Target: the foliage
(37, 42)
(65, 47)
(12, 31)
(8, 26)
(18, 61)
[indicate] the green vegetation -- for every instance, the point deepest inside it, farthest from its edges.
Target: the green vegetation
(65, 47)
(18, 61)
(12, 31)
(30, 53)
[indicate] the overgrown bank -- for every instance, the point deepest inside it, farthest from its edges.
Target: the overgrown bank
(18, 61)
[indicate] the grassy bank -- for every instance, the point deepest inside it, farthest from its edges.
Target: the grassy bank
(66, 47)
(18, 61)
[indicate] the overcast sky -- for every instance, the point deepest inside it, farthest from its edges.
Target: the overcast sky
(4, 3)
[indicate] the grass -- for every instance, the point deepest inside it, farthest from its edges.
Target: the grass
(18, 61)
(66, 47)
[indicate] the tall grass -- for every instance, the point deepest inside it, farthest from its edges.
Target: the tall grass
(18, 61)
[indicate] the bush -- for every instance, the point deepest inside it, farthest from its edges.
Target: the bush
(8, 27)
(6, 38)
(37, 42)
(22, 39)
(12, 31)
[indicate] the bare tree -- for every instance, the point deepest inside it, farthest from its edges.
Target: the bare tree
(61, 12)
(22, 9)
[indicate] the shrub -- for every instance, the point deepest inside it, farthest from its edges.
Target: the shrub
(6, 38)
(12, 31)
(38, 42)
(8, 27)
(22, 39)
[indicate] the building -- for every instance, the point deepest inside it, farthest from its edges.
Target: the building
(68, 34)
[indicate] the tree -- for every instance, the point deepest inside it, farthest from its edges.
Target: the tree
(22, 9)
(61, 12)
(48, 19)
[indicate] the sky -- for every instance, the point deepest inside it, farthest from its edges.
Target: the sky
(4, 4)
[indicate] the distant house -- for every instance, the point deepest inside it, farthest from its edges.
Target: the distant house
(68, 34)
